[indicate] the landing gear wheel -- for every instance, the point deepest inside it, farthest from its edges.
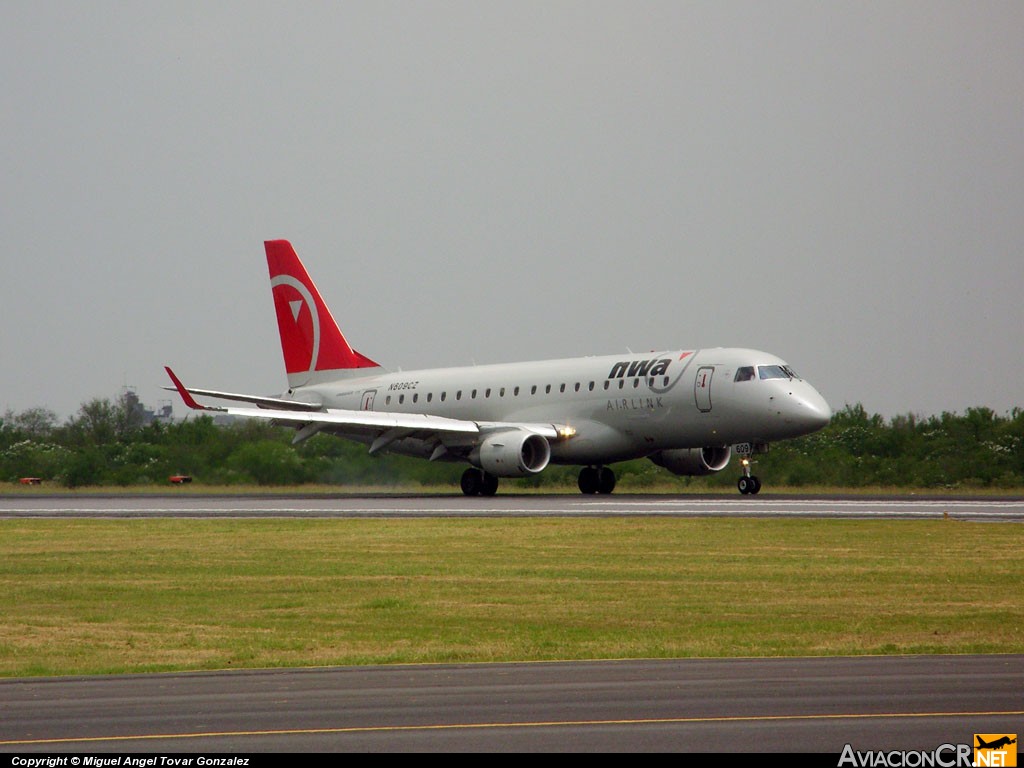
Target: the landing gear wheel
(489, 487)
(589, 480)
(476, 482)
(472, 482)
(597, 480)
(749, 485)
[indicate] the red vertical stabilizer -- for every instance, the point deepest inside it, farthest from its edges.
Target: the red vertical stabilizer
(311, 341)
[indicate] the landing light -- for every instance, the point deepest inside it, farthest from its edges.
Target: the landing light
(566, 432)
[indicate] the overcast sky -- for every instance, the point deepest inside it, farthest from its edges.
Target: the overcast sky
(838, 183)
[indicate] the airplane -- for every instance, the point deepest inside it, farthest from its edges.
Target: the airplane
(996, 744)
(687, 410)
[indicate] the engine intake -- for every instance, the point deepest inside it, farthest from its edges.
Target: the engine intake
(694, 461)
(514, 453)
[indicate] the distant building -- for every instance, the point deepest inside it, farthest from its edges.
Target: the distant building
(145, 416)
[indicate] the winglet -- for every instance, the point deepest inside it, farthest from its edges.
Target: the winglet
(185, 395)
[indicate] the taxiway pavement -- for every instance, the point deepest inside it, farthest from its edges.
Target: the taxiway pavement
(816, 705)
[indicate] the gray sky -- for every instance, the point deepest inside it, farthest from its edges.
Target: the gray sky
(841, 184)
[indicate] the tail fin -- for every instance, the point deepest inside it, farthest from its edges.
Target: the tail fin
(314, 348)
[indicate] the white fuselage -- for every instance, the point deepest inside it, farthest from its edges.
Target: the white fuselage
(620, 406)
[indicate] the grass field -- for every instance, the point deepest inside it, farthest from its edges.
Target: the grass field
(100, 596)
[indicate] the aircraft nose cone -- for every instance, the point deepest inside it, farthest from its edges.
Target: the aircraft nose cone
(811, 411)
(804, 410)
(818, 412)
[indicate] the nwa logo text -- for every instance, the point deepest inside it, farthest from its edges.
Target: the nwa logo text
(635, 368)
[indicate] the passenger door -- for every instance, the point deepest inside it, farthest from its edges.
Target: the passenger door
(702, 388)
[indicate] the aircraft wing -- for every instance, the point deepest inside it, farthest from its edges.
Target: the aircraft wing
(259, 400)
(385, 426)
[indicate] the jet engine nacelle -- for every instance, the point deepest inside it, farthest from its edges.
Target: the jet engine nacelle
(693, 461)
(513, 453)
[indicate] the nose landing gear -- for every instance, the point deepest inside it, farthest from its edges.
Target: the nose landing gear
(748, 483)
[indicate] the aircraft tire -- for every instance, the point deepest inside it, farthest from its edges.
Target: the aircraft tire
(748, 485)
(488, 484)
(605, 480)
(588, 481)
(472, 482)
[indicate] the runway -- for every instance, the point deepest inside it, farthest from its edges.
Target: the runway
(690, 705)
(979, 509)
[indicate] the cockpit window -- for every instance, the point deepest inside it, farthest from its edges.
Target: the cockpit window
(771, 372)
(746, 373)
(775, 372)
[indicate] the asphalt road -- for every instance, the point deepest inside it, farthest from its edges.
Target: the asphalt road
(816, 705)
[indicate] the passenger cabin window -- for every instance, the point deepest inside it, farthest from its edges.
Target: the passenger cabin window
(746, 373)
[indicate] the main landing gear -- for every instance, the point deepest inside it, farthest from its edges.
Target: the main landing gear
(748, 483)
(597, 480)
(476, 482)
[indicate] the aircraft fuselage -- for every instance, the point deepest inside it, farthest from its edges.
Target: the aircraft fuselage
(621, 406)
